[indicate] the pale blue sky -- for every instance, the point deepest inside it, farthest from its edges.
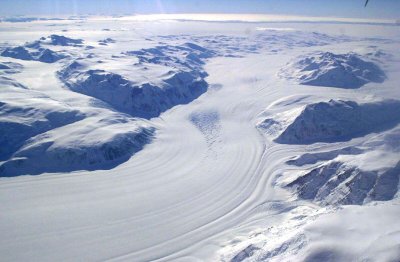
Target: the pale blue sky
(386, 9)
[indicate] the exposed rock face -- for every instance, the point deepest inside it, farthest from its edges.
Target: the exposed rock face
(61, 40)
(18, 52)
(87, 145)
(186, 56)
(34, 51)
(19, 121)
(55, 40)
(184, 83)
(10, 68)
(106, 41)
(40, 134)
(338, 120)
(338, 183)
(42, 54)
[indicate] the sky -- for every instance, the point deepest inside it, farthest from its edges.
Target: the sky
(377, 9)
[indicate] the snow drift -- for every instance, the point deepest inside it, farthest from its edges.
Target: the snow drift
(334, 121)
(333, 70)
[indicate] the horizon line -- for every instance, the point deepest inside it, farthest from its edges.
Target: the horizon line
(221, 17)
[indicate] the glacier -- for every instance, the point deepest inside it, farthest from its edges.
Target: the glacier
(129, 138)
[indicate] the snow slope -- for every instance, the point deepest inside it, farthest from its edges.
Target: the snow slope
(336, 183)
(349, 233)
(34, 51)
(335, 70)
(198, 179)
(20, 121)
(58, 40)
(93, 143)
(183, 82)
(48, 135)
(9, 68)
(42, 55)
(337, 121)
(48, 130)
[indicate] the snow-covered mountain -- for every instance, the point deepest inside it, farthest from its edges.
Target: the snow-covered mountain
(134, 139)
(160, 88)
(334, 120)
(335, 70)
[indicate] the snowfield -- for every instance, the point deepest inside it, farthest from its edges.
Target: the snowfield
(335, 70)
(335, 121)
(134, 139)
(172, 75)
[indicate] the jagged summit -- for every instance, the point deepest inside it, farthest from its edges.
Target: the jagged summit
(61, 40)
(35, 51)
(42, 54)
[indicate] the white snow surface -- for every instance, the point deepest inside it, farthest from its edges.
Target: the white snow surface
(169, 75)
(331, 121)
(335, 70)
(176, 140)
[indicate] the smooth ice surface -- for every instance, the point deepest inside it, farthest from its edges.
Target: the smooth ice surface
(137, 139)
